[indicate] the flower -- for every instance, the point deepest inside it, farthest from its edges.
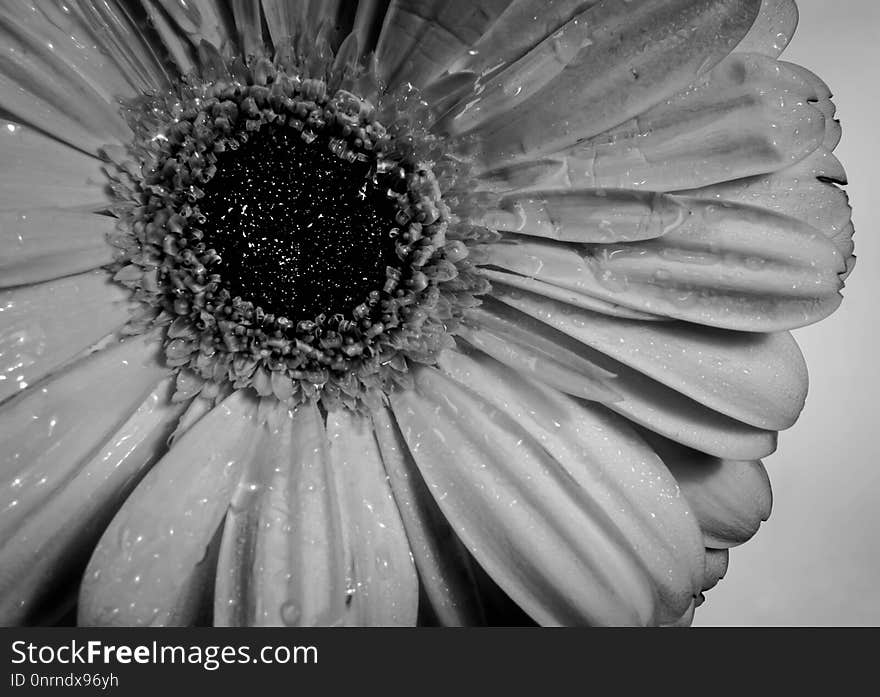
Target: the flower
(442, 311)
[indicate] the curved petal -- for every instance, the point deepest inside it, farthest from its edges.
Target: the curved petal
(282, 554)
(773, 29)
(444, 566)
(149, 566)
(513, 505)
(38, 172)
(42, 244)
(717, 561)
(383, 586)
(731, 498)
(644, 401)
(726, 265)
(44, 326)
(638, 53)
(52, 543)
(760, 379)
(617, 471)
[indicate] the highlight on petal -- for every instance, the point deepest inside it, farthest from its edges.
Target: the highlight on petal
(446, 574)
(50, 546)
(281, 558)
(637, 54)
(513, 505)
(46, 325)
(730, 498)
(153, 565)
(383, 586)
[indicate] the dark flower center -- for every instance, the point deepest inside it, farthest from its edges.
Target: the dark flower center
(300, 231)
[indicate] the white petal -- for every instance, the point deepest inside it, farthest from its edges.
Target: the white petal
(55, 540)
(638, 53)
(40, 86)
(518, 510)
(731, 498)
(420, 38)
(38, 172)
(445, 570)
(383, 586)
(38, 245)
(773, 29)
(282, 555)
(46, 325)
(152, 564)
(760, 379)
(48, 430)
(616, 470)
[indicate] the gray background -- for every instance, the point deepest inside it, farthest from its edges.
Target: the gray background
(817, 560)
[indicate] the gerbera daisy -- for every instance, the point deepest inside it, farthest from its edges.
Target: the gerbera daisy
(342, 313)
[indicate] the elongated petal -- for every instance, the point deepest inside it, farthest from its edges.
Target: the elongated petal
(619, 473)
(730, 498)
(533, 356)
(639, 53)
(566, 295)
(514, 506)
(36, 172)
(420, 38)
(247, 25)
(30, 64)
(749, 115)
(804, 191)
(53, 541)
(647, 402)
(43, 326)
(148, 567)
(38, 245)
(383, 585)
(200, 20)
(727, 265)
(588, 215)
(282, 555)
(522, 25)
(772, 30)
(760, 379)
(48, 431)
(445, 570)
